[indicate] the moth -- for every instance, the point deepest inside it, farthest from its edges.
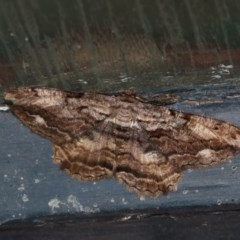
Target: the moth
(144, 146)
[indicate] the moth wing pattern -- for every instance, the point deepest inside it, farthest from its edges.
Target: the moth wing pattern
(144, 146)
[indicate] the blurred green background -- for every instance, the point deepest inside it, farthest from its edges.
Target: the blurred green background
(108, 45)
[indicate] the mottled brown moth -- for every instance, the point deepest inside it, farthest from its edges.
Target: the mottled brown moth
(144, 146)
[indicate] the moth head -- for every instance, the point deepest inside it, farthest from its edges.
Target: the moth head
(17, 95)
(11, 95)
(34, 96)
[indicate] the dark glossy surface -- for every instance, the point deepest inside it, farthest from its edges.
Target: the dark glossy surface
(194, 223)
